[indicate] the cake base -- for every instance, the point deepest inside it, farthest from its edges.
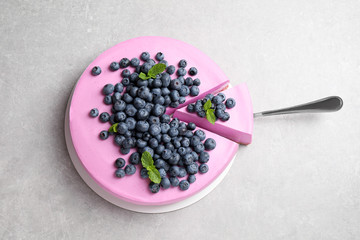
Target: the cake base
(127, 205)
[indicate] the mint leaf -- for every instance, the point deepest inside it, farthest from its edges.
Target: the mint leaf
(113, 128)
(207, 105)
(154, 174)
(156, 69)
(143, 76)
(210, 116)
(146, 160)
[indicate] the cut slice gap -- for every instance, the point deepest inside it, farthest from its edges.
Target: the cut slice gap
(204, 91)
(240, 125)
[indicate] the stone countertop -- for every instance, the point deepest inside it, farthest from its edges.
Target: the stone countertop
(299, 179)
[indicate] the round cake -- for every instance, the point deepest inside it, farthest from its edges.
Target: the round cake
(94, 158)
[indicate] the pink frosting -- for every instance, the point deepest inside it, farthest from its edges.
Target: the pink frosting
(98, 156)
(240, 125)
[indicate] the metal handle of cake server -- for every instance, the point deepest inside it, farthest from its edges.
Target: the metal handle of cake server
(328, 104)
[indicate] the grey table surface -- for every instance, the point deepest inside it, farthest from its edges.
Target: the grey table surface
(299, 179)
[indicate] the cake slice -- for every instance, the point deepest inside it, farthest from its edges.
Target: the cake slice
(240, 125)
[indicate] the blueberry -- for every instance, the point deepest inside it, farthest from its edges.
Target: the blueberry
(126, 73)
(166, 154)
(159, 163)
(154, 129)
(182, 172)
(114, 66)
(120, 116)
(204, 157)
(164, 62)
(146, 136)
(143, 92)
(165, 118)
(174, 104)
(119, 163)
(130, 110)
(104, 135)
(164, 127)
(153, 143)
(182, 100)
(149, 107)
(173, 132)
(191, 107)
(125, 81)
(182, 63)
(189, 81)
(130, 123)
(159, 56)
(120, 173)
(191, 126)
(184, 91)
(201, 113)
(221, 106)
(118, 87)
(223, 97)
(175, 84)
(195, 156)
(124, 151)
(159, 100)
(135, 158)
(193, 71)
(174, 123)
(203, 168)
(185, 142)
(188, 134)
(174, 159)
(116, 97)
(162, 172)
(139, 103)
(197, 82)
(188, 159)
(165, 183)
(170, 69)
(138, 69)
(124, 62)
(154, 120)
(174, 181)
(134, 62)
(195, 140)
(159, 149)
(145, 56)
(167, 100)
(154, 187)
(219, 113)
(134, 77)
(145, 67)
(142, 114)
(127, 143)
(141, 143)
(151, 62)
(201, 134)
(209, 144)
(194, 91)
(191, 178)
(144, 173)
(157, 83)
(165, 79)
(182, 151)
(108, 89)
(119, 105)
(158, 110)
(174, 95)
(141, 83)
(184, 185)
(199, 148)
(181, 72)
(225, 116)
(147, 149)
(104, 117)
(142, 126)
(95, 70)
(133, 91)
(118, 139)
(94, 112)
(217, 100)
(230, 103)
